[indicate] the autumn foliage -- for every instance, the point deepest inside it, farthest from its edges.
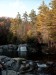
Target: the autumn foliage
(18, 30)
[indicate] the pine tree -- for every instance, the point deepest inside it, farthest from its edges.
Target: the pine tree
(41, 24)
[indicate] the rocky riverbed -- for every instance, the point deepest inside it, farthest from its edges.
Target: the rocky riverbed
(19, 66)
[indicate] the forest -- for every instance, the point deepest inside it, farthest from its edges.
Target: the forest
(41, 26)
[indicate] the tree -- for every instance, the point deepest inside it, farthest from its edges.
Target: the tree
(4, 29)
(43, 8)
(25, 17)
(18, 17)
(52, 16)
(41, 21)
(32, 16)
(53, 4)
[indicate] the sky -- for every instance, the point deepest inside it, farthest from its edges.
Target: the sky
(10, 8)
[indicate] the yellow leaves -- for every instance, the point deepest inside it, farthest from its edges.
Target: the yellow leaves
(14, 26)
(44, 22)
(29, 33)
